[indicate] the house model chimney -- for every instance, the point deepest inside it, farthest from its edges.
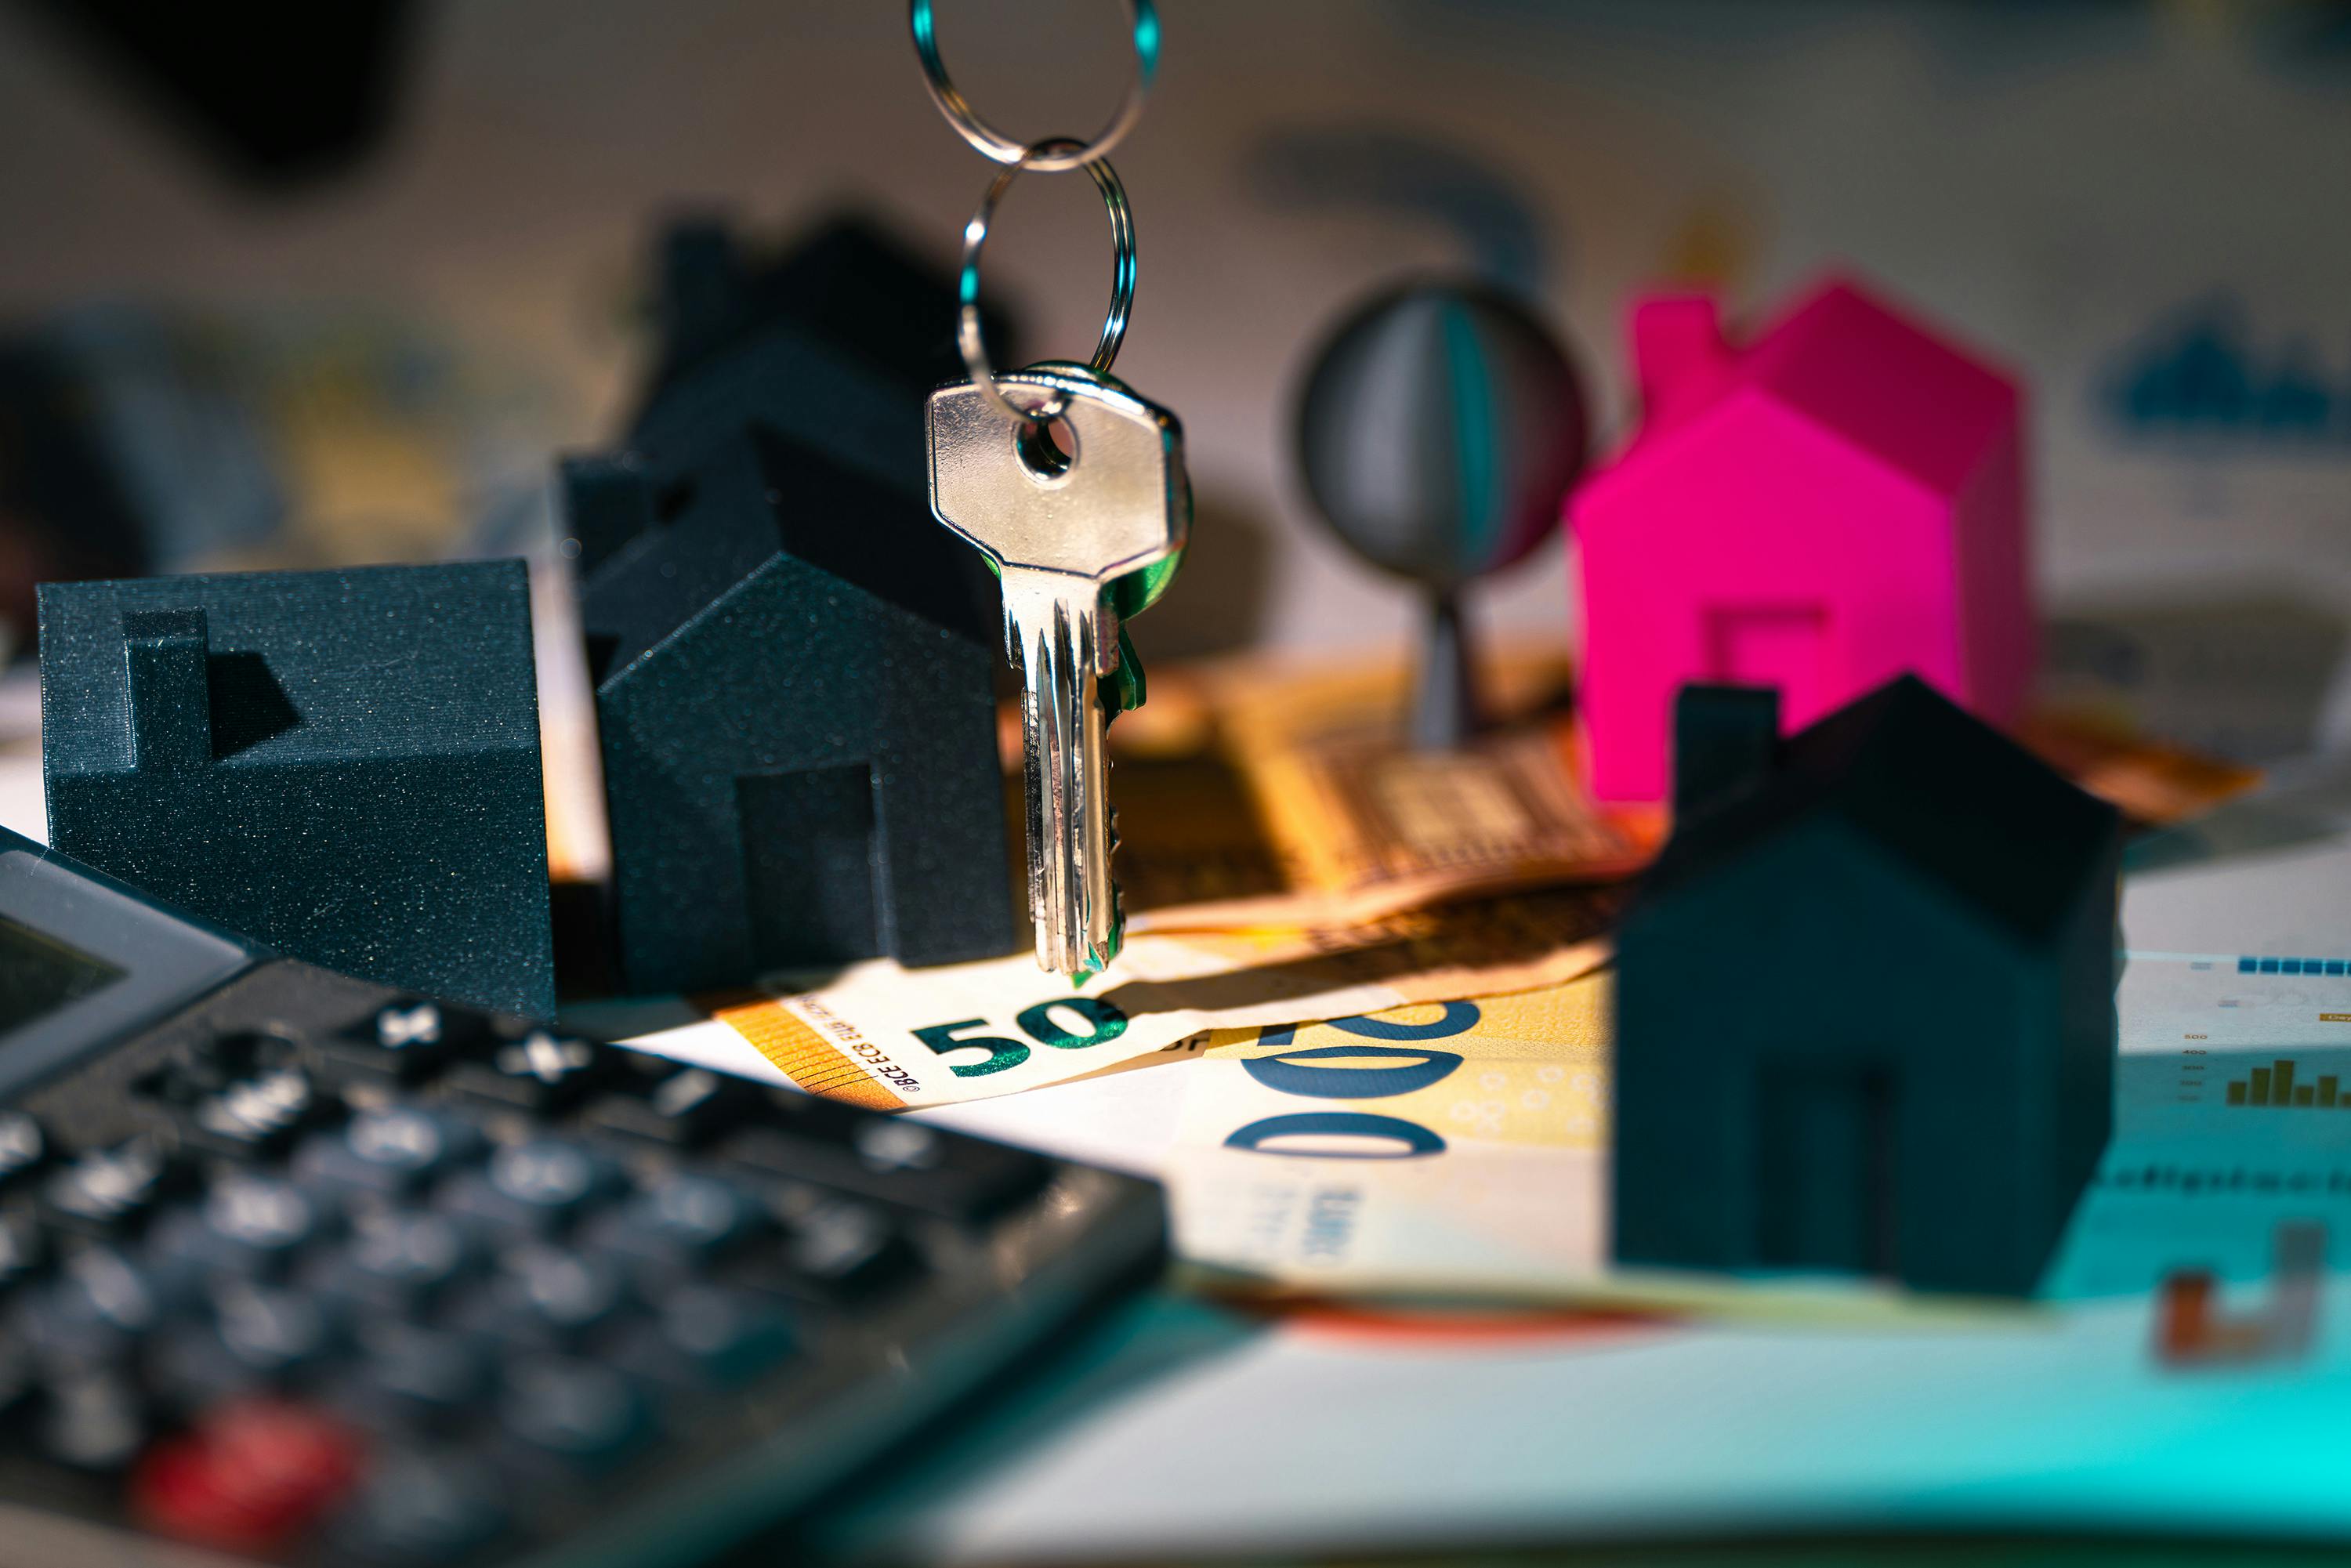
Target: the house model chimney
(1677, 352)
(1726, 742)
(165, 654)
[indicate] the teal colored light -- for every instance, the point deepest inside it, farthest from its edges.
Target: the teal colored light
(1477, 438)
(1146, 40)
(1122, 276)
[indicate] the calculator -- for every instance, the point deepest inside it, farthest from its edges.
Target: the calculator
(297, 1268)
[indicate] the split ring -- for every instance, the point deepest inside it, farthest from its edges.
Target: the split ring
(1121, 277)
(1144, 16)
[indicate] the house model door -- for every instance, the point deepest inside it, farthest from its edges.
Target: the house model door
(1825, 1196)
(810, 864)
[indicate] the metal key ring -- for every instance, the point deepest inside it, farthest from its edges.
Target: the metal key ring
(1121, 279)
(1144, 16)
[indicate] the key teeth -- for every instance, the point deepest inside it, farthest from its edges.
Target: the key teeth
(1117, 898)
(1098, 959)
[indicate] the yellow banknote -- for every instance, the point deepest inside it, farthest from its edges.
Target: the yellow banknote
(891, 1038)
(1455, 1148)
(1265, 791)
(1532, 1068)
(2149, 781)
(1456, 1151)
(1259, 792)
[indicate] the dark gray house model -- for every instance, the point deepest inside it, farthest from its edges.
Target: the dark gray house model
(341, 765)
(794, 663)
(1864, 999)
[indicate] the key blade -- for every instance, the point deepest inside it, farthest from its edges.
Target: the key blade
(1052, 633)
(1122, 504)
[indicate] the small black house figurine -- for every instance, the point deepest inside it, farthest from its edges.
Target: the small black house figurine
(1864, 999)
(341, 765)
(794, 665)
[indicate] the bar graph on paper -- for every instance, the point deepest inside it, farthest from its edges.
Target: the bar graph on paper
(2279, 1085)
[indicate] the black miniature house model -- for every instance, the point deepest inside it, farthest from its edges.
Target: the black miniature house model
(1865, 1000)
(794, 663)
(341, 765)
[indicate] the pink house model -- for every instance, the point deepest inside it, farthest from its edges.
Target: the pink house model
(1820, 509)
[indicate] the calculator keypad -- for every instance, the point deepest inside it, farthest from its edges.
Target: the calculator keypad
(378, 1292)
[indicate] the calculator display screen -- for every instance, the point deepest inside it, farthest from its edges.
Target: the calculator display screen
(39, 974)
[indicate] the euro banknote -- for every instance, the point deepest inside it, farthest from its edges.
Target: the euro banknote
(1454, 1148)
(889, 1038)
(1259, 791)
(1460, 1149)
(2150, 781)
(1452, 1151)
(1255, 793)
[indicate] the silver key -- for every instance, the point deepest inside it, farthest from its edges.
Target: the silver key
(1059, 534)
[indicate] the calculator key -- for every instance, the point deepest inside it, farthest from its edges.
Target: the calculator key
(250, 1338)
(94, 1419)
(20, 1389)
(112, 1192)
(549, 1296)
(667, 1102)
(832, 1251)
(271, 1329)
(894, 1161)
(406, 1026)
(391, 1152)
(541, 1072)
(214, 1062)
(260, 1116)
(407, 1375)
(252, 1476)
(24, 1249)
(246, 1093)
(678, 1223)
(539, 1185)
(399, 1259)
(579, 1415)
(24, 1147)
(847, 1247)
(95, 1313)
(265, 1215)
(245, 1225)
(708, 1337)
(403, 1043)
(417, 1509)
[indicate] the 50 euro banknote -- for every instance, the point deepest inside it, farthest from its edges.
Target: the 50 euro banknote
(889, 1038)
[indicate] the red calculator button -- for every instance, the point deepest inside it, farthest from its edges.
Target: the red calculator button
(247, 1476)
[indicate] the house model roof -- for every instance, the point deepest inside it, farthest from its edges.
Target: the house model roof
(786, 419)
(1842, 358)
(310, 666)
(1912, 774)
(761, 496)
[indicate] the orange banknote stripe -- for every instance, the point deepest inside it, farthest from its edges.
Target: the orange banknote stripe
(802, 1055)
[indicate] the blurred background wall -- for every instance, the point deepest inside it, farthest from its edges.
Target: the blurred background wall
(2139, 205)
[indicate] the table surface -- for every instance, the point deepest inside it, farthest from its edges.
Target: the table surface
(1185, 1431)
(1314, 1432)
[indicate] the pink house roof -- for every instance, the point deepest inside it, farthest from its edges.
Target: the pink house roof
(1844, 359)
